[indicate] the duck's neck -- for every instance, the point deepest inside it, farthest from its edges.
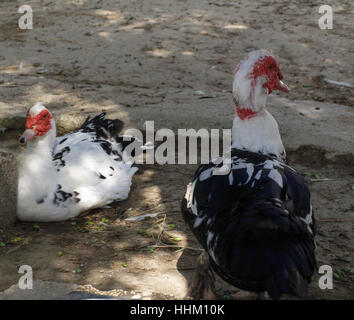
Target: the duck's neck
(257, 132)
(42, 145)
(36, 165)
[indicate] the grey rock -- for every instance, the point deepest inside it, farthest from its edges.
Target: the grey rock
(68, 122)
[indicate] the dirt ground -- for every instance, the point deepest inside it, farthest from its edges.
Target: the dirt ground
(127, 57)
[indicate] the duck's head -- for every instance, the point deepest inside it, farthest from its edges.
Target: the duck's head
(254, 79)
(39, 123)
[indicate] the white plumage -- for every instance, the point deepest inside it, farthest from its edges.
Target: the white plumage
(60, 177)
(258, 134)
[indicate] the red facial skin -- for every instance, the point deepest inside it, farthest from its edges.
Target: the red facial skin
(39, 123)
(245, 113)
(267, 66)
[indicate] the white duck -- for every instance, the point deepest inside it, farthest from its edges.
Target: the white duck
(61, 177)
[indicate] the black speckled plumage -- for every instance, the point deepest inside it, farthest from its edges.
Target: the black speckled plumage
(60, 196)
(255, 223)
(96, 130)
(100, 126)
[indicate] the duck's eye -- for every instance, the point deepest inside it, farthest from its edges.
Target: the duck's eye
(270, 67)
(44, 117)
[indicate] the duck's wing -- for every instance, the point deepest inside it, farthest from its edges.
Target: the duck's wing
(90, 162)
(255, 222)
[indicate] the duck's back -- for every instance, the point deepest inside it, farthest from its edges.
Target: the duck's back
(91, 154)
(255, 223)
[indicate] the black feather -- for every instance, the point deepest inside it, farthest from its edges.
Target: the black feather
(100, 126)
(258, 238)
(62, 141)
(101, 175)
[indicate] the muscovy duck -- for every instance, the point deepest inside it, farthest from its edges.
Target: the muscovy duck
(255, 222)
(62, 177)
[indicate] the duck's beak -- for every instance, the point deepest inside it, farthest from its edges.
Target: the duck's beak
(281, 86)
(28, 135)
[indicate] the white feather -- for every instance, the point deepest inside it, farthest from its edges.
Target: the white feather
(80, 177)
(259, 133)
(276, 177)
